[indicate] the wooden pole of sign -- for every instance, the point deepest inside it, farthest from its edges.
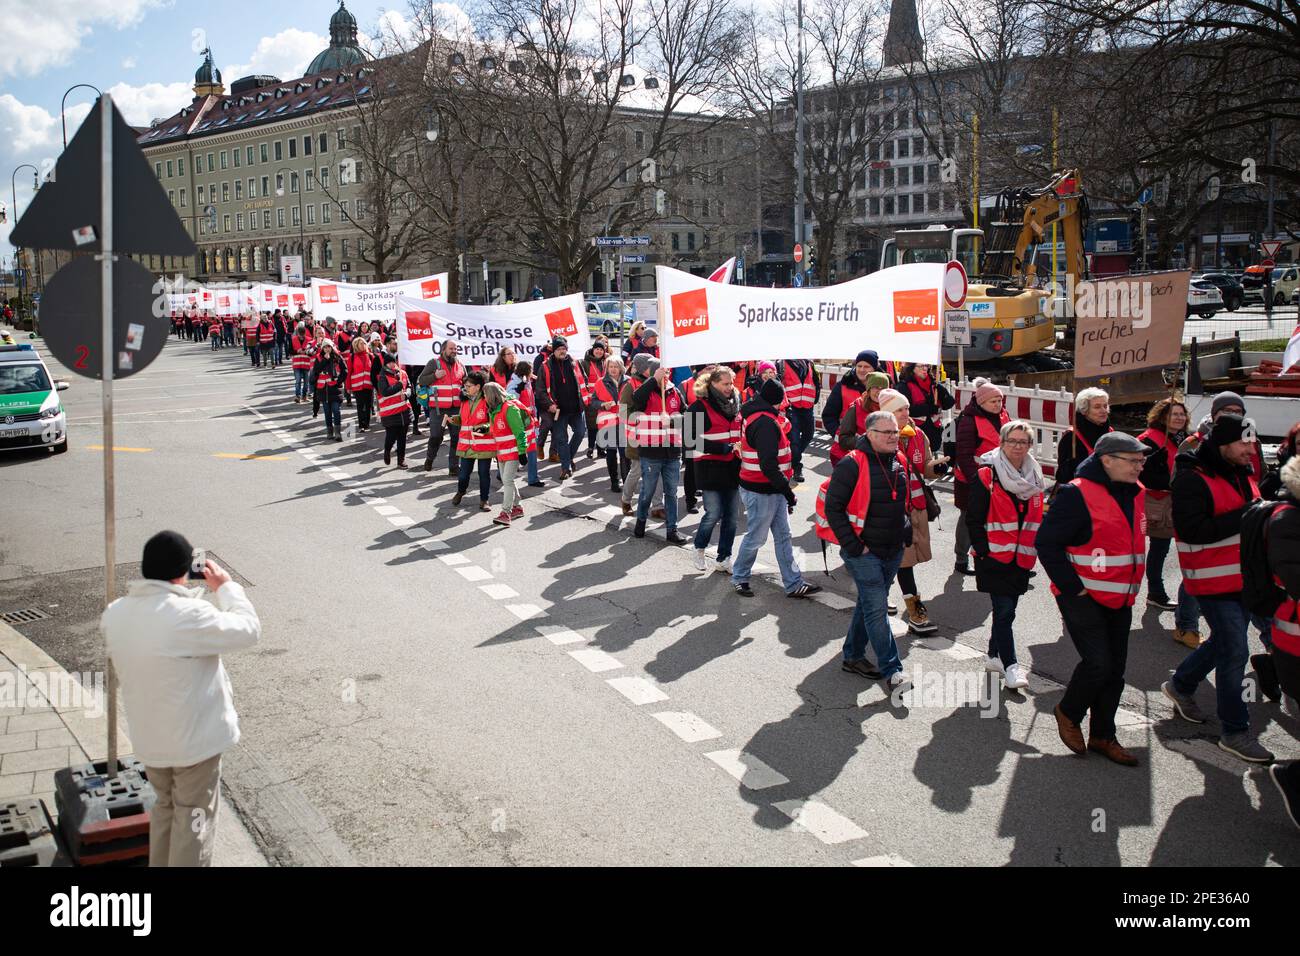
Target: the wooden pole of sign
(106, 398)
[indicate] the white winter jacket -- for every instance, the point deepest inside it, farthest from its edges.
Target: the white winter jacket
(166, 643)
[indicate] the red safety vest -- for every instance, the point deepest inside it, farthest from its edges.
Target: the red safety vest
(990, 437)
(913, 450)
(605, 417)
(1111, 562)
(799, 392)
(1010, 538)
(474, 413)
(359, 365)
(660, 425)
(848, 395)
(584, 389)
(503, 439)
(250, 330)
(303, 354)
(1286, 619)
(214, 328)
(396, 403)
(500, 379)
(916, 395)
(265, 333)
(859, 501)
(749, 468)
(719, 429)
(587, 384)
(326, 377)
(1215, 568)
(1171, 452)
(1079, 439)
(860, 412)
(444, 393)
(526, 403)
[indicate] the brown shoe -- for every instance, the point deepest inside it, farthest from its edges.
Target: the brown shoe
(1111, 750)
(1070, 733)
(554, 459)
(627, 508)
(1190, 639)
(659, 513)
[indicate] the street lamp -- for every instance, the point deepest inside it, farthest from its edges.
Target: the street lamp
(64, 104)
(13, 195)
(302, 244)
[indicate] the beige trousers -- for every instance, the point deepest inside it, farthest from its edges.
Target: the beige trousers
(183, 823)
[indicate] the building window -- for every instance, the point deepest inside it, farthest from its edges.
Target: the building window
(157, 170)
(239, 222)
(235, 151)
(917, 147)
(639, 139)
(293, 182)
(874, 181)
(306, 145)
(341, 141)
(311, 215)
(262, 151)
(361, 246)
(294, 215)
(326, 212)
(677, 243)
(248, 156)
(343, 207)
(704, 208)
(211, 165)
(902, 148)
(889, 205)
(356, 173)
(279, 150)
(309, 177)
(169, 169)
(889, 178)
(329, 254)
(239, 189)
(184, 198)
(171, 196)
(224, 159)
(198, 162)
(323, 143)
(903, 173)
(361, 210)
(252, 188)
(266, 219)
(225, 223)
(903, 205)
(279, 217)
(690, 241)
(202, 194)
(324, 177)
(345, 248)
(225, 192)
(266, 186)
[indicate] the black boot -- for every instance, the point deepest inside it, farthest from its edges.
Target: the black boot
(639, 530)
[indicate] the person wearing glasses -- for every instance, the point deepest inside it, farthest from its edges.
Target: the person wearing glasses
(1213, 486)
(1003, 515)
(1092, 544)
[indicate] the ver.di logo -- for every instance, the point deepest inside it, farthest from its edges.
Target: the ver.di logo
(690, 311)
(329, 295)
(418, 326)
(430, 288)
(562, 323)
(916, 310)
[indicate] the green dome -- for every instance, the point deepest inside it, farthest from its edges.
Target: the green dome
(207, 74)
(343, 52)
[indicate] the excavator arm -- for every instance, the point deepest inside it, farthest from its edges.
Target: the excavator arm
(1023, 219)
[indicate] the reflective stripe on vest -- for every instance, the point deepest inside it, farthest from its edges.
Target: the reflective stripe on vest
(799, 392)
(660, 425)
(989, 437)
(587, 383)
(445, 391)
(1009, 539)
(859, 501)
(1110, 563)
(358, 377)
(749, 466)
(504, 443)
(606, 417)
(474, 414)
(719, 429)
(266, 334)
(1215, 568)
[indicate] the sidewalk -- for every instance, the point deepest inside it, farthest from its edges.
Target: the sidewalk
(37, 740)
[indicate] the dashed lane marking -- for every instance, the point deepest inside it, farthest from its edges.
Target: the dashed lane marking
(525, 611)
(401, 521)
(687, 726)
(474, 573)
(889, 859)
(415, 533)
(596, 660)
(559, 635)
(387, 510)
(637, 689)
(451, 560)
(748, 770)
(498, 592)
(821, 821)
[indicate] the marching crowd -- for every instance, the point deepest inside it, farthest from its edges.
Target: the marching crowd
(735, 435)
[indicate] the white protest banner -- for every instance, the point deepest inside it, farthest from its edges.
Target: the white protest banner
(231, 300)
(482, 330)
(895, 311)
(271, 297)
(367, 302)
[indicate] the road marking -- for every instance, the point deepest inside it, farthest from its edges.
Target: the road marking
(637, 689)
(751, 772)
(401, 521)
(498, 592)
(433, 544)
(387, 510)
(888, 859)
(239, 457)
(415, 533)
(821, 821)
(474, 573)
(687, 726)
(336, 473)
(451, 560)
(595, 660)
(525, 611)
(559, 635)
(833, 601)
(117, 448)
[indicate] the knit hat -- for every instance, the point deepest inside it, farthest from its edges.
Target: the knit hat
(1227, 429)
(1226, 400)
(649, 333)
(867, 355)
(167, 556)
(765, 365)
(986, 390)
(772, 392)
(892, 401)
(559, 342)
(877, 380)
(641, 364)
(651, 366)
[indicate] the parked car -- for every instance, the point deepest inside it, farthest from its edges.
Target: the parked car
(1252, 284)
(1229, 288)
(1286, 281)
(602, 316)
(1203, 299)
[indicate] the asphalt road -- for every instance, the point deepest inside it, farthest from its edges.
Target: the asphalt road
(433, 689)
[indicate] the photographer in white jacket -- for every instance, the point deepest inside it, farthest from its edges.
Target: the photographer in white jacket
(166, 643)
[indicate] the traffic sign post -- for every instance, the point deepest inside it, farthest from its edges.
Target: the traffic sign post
(619, 242)
(798, 253)
(1270, 248)
(798, 280)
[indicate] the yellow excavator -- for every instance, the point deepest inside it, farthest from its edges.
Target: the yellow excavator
(1010, 313)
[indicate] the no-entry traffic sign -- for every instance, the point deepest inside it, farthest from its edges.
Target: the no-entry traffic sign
(954, 284)
(798, 253)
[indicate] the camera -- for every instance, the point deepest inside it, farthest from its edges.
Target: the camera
(198, 564)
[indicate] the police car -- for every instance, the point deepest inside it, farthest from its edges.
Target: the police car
(31, 415)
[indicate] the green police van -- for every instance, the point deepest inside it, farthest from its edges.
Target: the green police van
(31, 415)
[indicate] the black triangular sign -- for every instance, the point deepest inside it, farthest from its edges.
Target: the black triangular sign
(143, 219)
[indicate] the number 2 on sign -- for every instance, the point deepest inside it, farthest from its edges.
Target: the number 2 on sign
(83, 352)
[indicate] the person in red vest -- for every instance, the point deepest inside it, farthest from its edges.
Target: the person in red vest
(847, 389)
(1093, 546)
(978, 429)
(1283, 554)
(1091, 421)
(927, 398)
(655, 424)
(1004, 512)
(1226, 403)
(503, 368)
(328, 374)
(362, 372)
(854, 423)
(509, 433)
(303, 348)
(803, 387)
(862, 507)
(712, 429)
(603, 413)
(214, 333)
(593, 370)
(474, 445)
(559, 392)
(1212, 488)
(443, 377)
(1166, 428)
(391, 387)
(266, 341)
(249, 326)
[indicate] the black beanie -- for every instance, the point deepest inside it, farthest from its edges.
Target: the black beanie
(772, 392)
(1227, 429)
(167, 556)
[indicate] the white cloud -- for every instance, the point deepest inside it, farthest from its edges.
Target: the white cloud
(37, 38)
(128, 63)
(140, 104)
(286, 55)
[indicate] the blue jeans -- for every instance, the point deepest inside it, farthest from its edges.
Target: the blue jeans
(333, 417)
(1225, 653)
(870, 621)
(764, 513)
(484, 476)
(652, 469)
(301, 387)
(801, 433)
(1188, 613)
(1001, 644)
(532, 467)
(279, 350)
(719, 506)
(568, 446)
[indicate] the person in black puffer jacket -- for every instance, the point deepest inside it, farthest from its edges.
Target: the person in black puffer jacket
(847, 389)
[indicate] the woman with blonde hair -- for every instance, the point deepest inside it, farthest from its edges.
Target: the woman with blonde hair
(635, 337)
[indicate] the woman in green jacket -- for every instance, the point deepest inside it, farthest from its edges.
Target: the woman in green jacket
(510, 441)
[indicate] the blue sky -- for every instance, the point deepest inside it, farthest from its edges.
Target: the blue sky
(144, 53)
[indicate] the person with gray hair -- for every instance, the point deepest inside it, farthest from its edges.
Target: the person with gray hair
(1091, 421)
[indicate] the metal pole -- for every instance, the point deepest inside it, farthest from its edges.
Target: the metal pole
(1056, 138)
(975, 177)
(106, 390)
(798, 133)
(1272, 149)
(620, 290)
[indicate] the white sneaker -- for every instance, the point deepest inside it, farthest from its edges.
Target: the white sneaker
(900, 679)
(1016, 678)
(699, 559)
(723, 565)
(993, 665)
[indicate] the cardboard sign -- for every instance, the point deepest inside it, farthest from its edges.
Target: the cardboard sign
(1129, 323)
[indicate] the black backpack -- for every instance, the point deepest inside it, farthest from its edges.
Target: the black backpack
(1259, 593)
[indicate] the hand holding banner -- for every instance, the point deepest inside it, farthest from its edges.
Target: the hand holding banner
(482, 330)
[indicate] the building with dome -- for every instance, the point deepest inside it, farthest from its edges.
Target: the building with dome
(343, 52)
